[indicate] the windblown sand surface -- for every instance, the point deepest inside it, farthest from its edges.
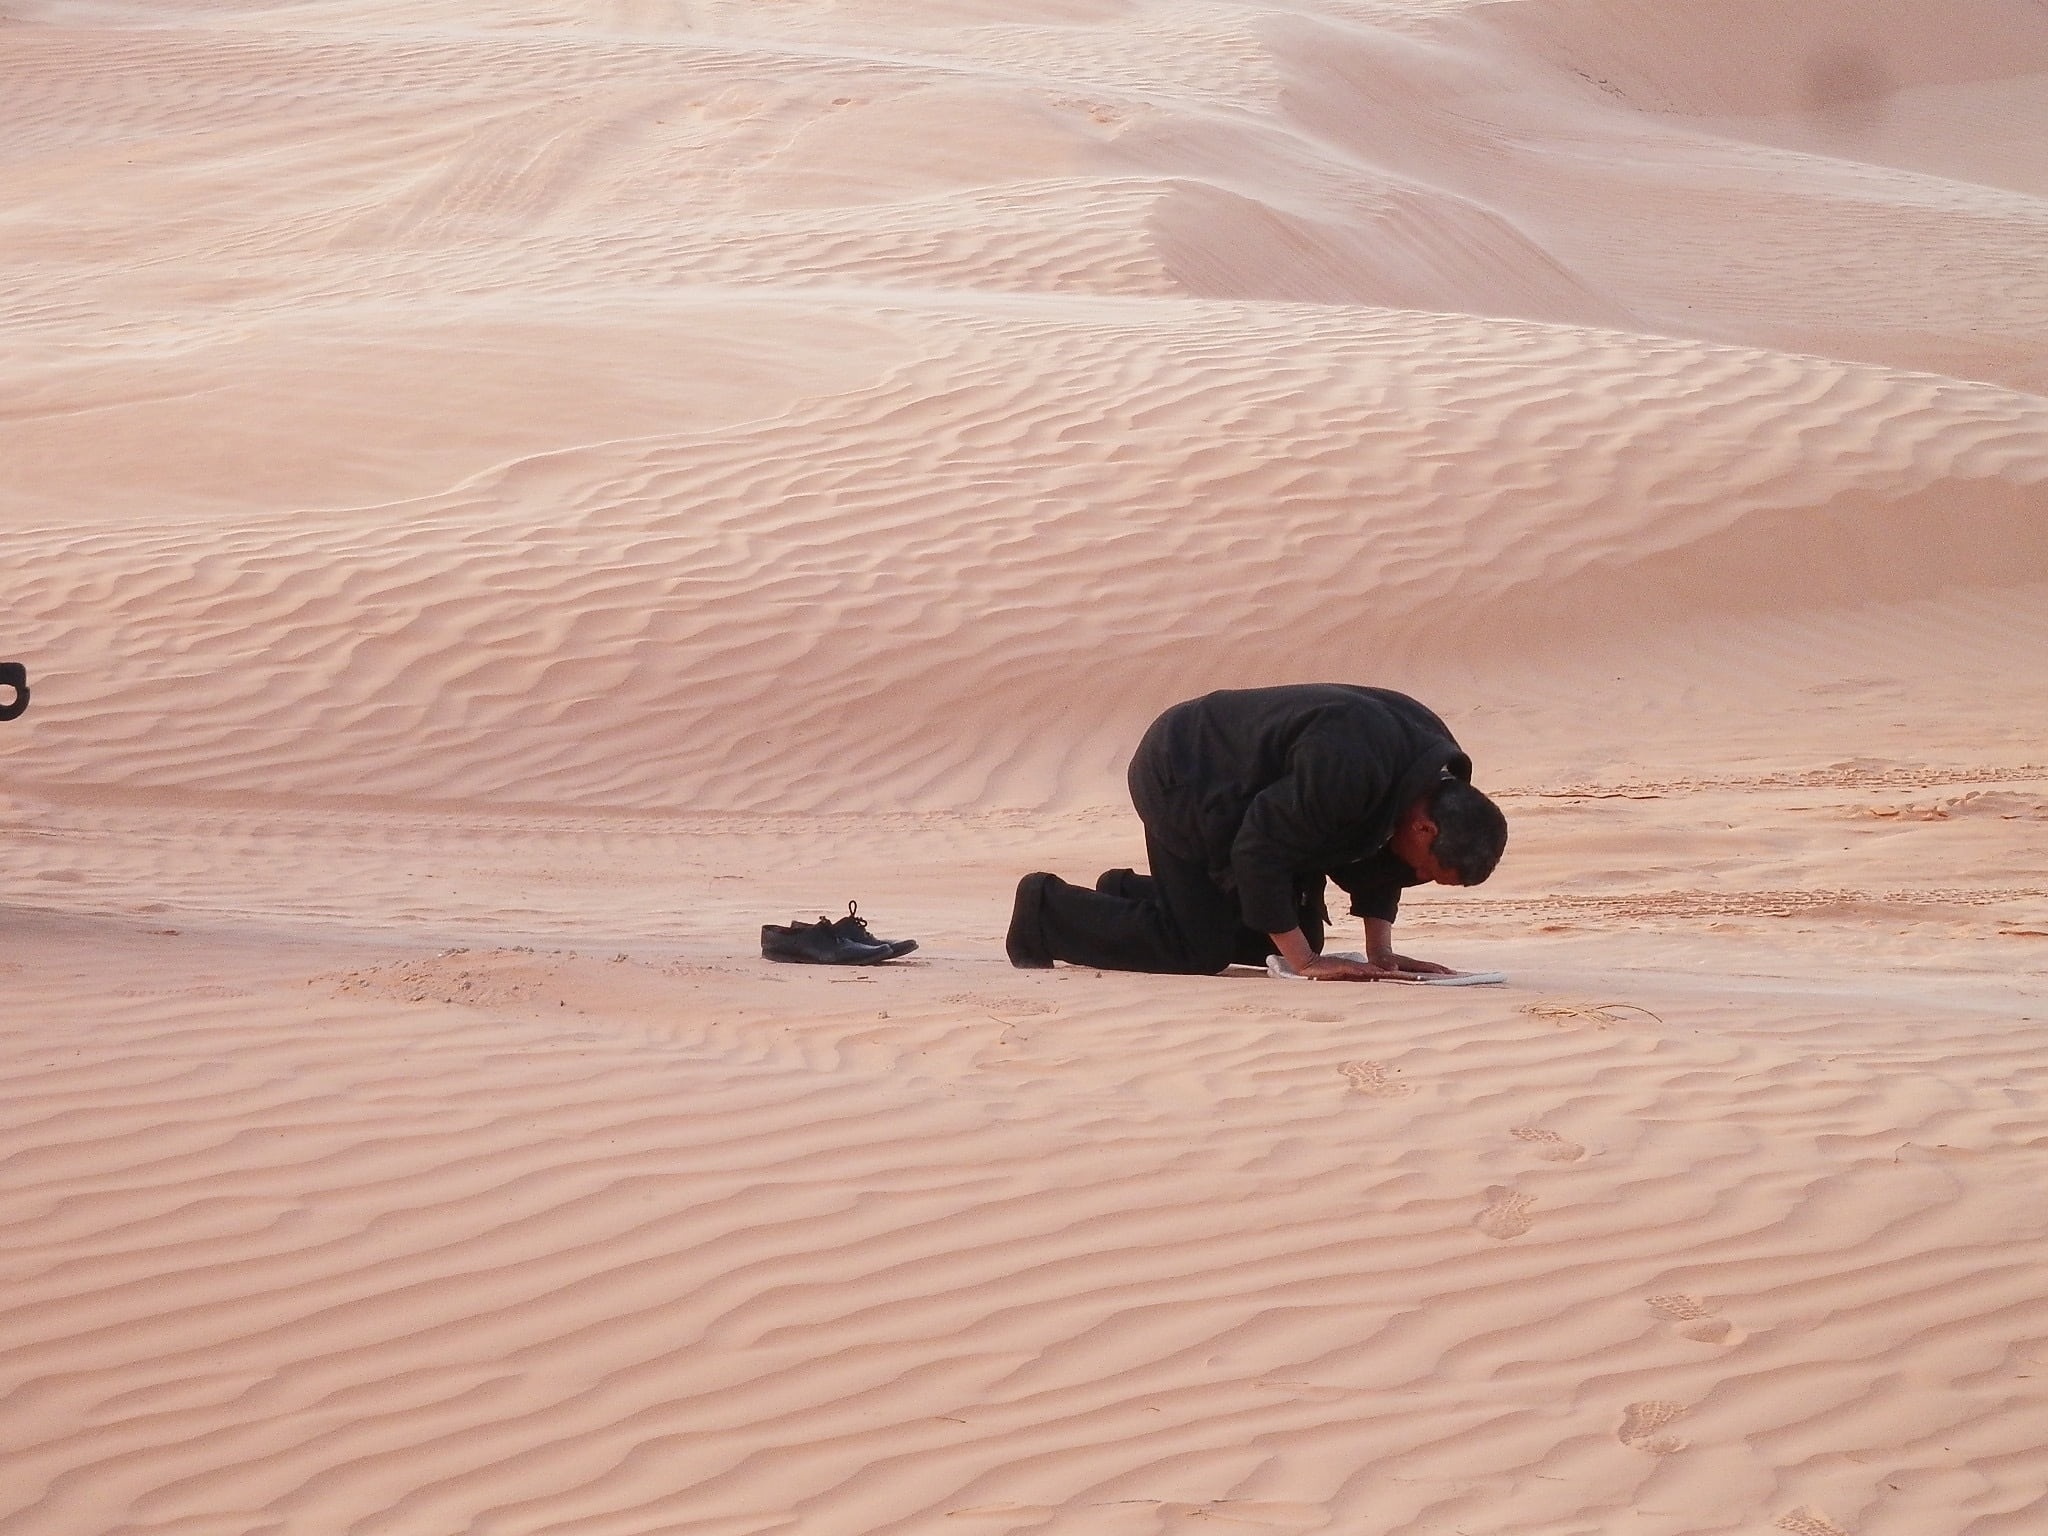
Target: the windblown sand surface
(501, 499)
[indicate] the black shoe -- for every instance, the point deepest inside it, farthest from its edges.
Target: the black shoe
(1025, 942)
(818, 943)
(855, 927)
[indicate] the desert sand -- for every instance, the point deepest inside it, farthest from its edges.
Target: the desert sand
(501, 498)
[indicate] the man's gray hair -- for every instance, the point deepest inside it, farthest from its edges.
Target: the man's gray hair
(1471, 831)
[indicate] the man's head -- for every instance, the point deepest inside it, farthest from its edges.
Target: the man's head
(1452, 835)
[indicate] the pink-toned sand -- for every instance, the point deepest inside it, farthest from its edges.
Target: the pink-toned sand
(500, 498)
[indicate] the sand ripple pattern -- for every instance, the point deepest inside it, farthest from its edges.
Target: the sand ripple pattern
(502, 496)
(695, 380)
(763, 615)
(695, 1264)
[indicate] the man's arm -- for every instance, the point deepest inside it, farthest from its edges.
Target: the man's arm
(1286, 828)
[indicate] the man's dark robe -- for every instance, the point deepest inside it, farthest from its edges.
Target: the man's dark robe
(1272, 789)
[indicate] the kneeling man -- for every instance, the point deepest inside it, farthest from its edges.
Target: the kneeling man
(1251, 798)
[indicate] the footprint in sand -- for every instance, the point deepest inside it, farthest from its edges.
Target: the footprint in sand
(1808, 1521)
(1507, 1214)
(1696, 1320)
(1550, 1146)
(1640, 1423)
(1370, 1077)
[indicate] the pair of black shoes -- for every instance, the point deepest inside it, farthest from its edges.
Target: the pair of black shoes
(844, 942)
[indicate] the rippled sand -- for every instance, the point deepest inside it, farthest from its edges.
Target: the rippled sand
(500, 500)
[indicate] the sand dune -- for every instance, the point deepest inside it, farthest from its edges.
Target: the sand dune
(751, 615)
(503, 499)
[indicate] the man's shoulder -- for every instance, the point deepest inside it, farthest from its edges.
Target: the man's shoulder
(1282, 697)
(1344, 716)
(1376, 709)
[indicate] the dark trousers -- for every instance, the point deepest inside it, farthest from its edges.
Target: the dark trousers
(1176, 921)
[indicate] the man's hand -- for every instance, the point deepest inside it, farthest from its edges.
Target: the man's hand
(1330, 968)
(1384, 964)
(1413, 967)
(1379, 948)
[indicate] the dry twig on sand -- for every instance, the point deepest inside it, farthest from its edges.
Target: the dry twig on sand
(1602, 1014)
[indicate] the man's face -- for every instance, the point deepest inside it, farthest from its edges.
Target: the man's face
(1411, 842)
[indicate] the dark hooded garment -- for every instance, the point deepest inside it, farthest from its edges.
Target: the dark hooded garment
(1273, 789)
